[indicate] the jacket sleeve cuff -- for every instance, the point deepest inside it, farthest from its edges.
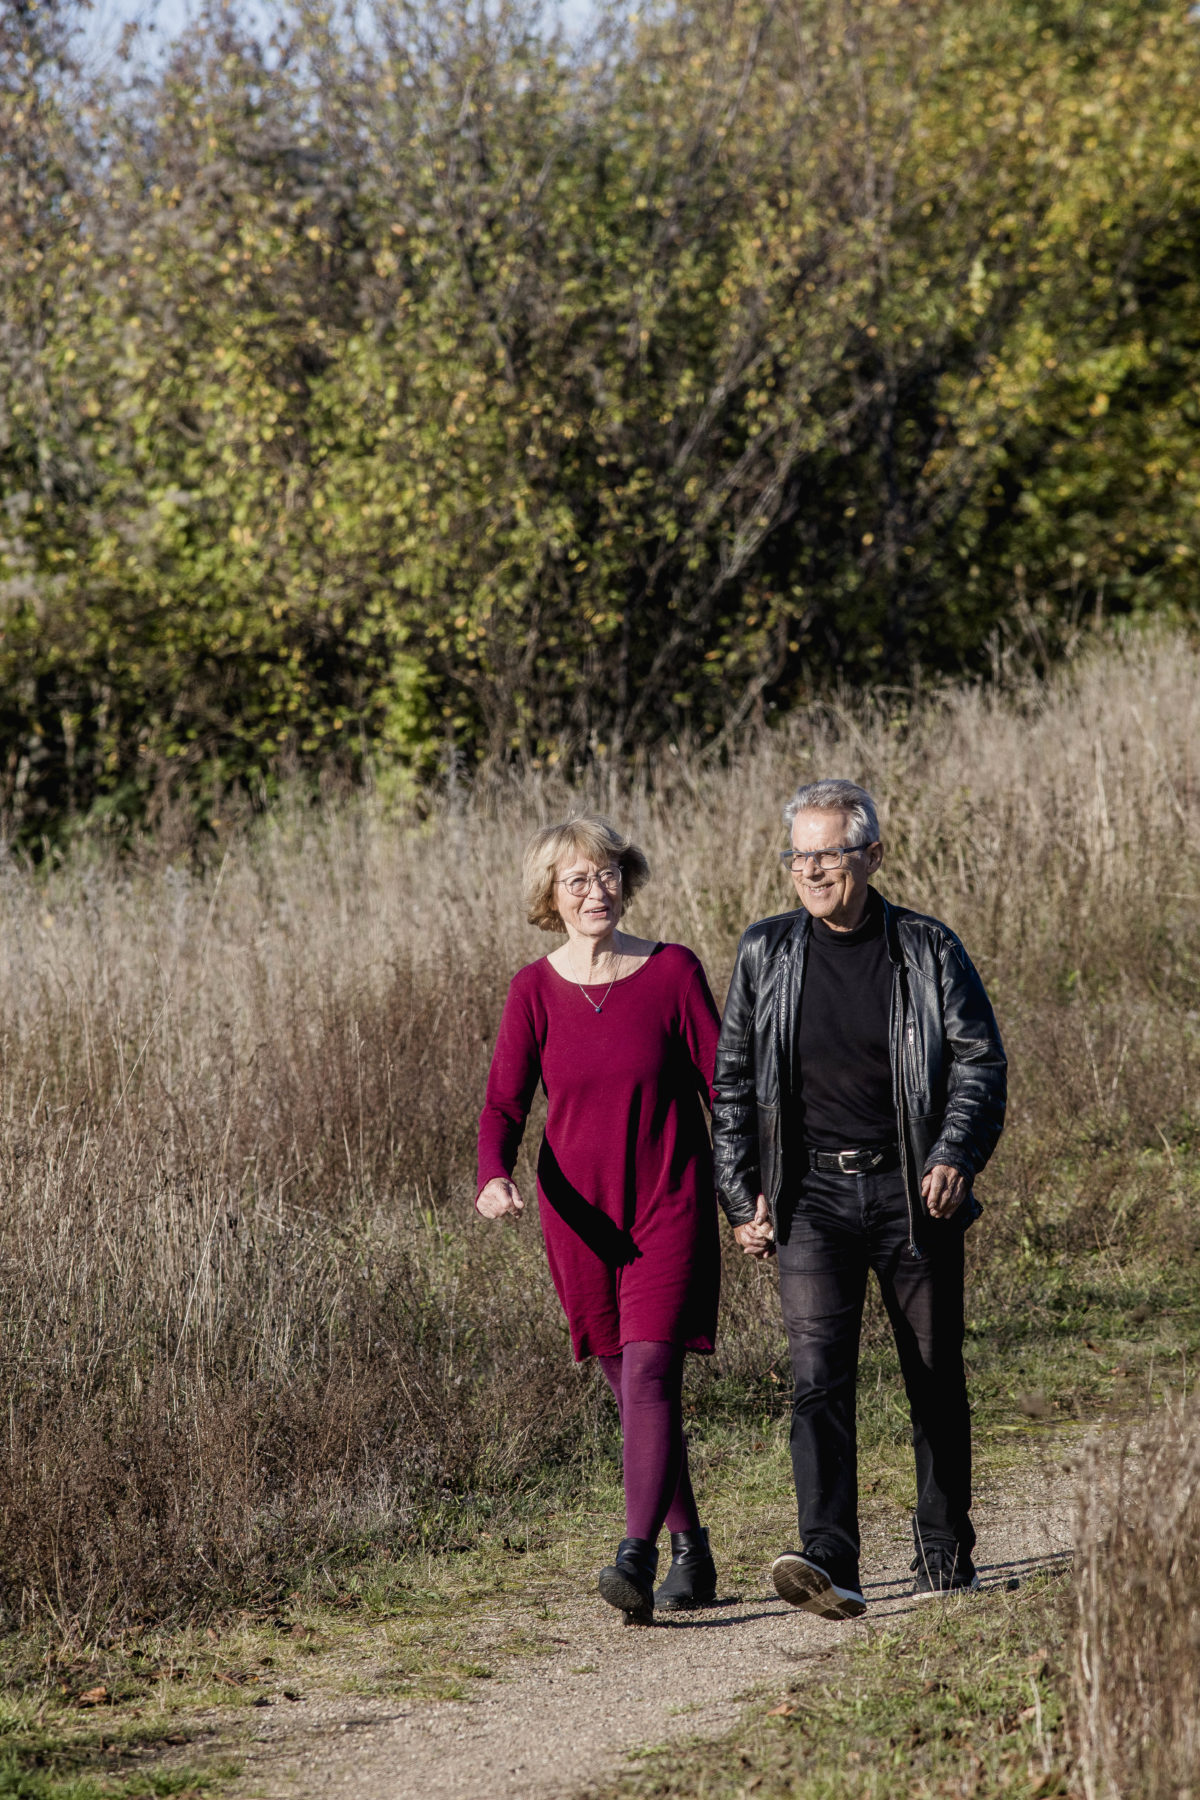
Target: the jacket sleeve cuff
(950, 1159)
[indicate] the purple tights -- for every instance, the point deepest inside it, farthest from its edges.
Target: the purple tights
(647, 1382)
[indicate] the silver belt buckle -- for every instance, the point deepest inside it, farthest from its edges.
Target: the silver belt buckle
(842, 1168)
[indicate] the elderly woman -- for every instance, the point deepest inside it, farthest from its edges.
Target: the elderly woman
(622, 1034)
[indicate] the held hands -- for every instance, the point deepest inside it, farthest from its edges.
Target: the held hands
(944, 1189)
(500, 1199)
(756, 1236)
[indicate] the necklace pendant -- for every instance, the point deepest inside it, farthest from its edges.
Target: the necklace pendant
(596, 1006)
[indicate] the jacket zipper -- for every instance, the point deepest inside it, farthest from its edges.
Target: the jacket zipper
(788, 951)
(906, 1031)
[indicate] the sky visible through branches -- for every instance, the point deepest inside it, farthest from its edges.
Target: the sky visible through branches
(163, 20)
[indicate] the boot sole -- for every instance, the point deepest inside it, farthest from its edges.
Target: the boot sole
(683, 1602)
(626, 1596)
(803, 1585)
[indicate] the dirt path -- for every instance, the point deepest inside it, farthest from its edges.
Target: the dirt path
(559, 1722)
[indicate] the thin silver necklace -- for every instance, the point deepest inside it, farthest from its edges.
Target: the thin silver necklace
(596, 1005)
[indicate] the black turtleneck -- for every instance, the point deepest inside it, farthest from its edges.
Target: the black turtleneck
(845, 1005)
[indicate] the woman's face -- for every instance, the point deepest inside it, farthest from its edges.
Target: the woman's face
(594, 911)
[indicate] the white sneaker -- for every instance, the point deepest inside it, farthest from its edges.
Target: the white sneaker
(806, 1585)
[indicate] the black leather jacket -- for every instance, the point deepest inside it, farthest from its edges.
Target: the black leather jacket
(948, 1067)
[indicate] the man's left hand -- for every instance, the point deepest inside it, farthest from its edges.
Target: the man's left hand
(944, 1189)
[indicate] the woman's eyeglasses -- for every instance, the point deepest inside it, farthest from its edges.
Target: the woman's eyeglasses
(579, 885)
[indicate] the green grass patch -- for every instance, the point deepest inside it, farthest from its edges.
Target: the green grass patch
(965, 1696)
(78, 1743)
(54, 1761)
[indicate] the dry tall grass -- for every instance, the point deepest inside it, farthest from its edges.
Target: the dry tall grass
(1137, 1655)
(246, 1316)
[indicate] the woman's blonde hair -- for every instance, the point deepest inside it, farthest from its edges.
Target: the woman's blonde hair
(590, 836)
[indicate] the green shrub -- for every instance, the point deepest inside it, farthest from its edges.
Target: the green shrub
(448, 392)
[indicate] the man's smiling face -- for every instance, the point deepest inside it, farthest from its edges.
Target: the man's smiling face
(838, 896)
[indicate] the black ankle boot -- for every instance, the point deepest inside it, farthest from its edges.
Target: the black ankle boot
(692, 1578)
(628, 1584)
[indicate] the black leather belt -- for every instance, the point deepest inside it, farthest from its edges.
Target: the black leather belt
(854, 1162)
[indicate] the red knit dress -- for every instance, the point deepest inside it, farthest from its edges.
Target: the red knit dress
(625, 1180)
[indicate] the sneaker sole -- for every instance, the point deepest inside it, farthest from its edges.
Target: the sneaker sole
(947, 1593)
(622, 1593)
(803, 1585)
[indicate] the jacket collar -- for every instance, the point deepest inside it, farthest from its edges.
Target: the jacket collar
(891, 926)
(802, 929)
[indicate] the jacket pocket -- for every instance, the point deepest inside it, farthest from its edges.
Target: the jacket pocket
(769, 1151)
(924, 1130)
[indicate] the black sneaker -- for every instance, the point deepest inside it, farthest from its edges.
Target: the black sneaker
(806, 1584)
(941, 1569)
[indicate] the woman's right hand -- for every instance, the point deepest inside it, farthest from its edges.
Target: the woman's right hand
(499, 1199)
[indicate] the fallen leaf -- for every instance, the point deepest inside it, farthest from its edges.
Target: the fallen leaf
(93, 1697)
(781, 1712)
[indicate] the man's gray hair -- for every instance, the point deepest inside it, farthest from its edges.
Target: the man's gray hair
(837, 796)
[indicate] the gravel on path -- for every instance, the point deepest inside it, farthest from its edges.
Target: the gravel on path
(551, 1727)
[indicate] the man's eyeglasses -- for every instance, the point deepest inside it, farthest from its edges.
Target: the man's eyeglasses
(824, 859)
(579, 885)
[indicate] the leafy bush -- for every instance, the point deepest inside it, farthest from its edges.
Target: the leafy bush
(433, 389)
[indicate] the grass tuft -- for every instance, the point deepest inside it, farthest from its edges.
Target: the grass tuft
(1136, 1667)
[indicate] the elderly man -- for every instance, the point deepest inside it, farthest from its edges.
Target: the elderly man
(860, 1089)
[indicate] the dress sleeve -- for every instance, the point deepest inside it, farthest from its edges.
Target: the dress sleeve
(512, 1082)
(701, 1028)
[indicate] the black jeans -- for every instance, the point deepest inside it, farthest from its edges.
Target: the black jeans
(842, 1226)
